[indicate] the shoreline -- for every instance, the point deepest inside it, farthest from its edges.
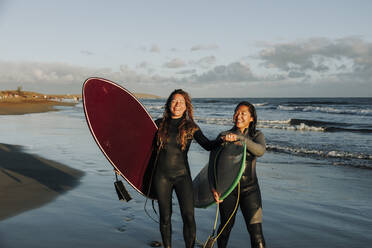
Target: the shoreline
(28, 181)
(303, 204)
(29, 106)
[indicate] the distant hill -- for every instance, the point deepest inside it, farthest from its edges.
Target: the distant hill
(18, 94)
(146, 96)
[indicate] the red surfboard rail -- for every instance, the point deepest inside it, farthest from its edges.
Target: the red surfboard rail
(121, 127)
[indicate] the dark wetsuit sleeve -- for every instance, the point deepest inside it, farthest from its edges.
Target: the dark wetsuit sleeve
(157, 122)
(256, 146)
(205, 142)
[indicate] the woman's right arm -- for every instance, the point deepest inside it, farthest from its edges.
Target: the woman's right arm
(157, 122)
(255, 145)
(205, 142)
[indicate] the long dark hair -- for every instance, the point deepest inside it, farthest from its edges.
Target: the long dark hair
(187, 126)
(252, 111)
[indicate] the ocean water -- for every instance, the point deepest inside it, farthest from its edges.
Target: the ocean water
(312, 144)
(337, 131)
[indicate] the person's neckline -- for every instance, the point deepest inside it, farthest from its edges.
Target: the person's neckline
(179, 118)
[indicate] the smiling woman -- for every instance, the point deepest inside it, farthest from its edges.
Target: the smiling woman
(247, 194)
(176, 131)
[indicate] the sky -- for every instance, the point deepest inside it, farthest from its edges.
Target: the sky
(208, 48)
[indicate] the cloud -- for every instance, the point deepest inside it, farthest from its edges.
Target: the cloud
(192, 71)
(294, 74)
(143, 65)
(347, 58)
(86, 52)
(53, 73)
(206, 62)
(175, 63)
(234, 72)
(154, 49)
(62, 77)
(204, 47)
(313, 67)
(48, 77)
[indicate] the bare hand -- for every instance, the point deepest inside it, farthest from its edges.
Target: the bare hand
(231, 137)
(216, 196)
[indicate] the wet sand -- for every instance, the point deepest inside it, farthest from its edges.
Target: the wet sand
(20, 107)
(29, 181)
(304, 205)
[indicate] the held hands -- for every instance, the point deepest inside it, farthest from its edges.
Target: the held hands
(231, 137)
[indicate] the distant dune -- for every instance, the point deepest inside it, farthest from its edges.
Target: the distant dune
(19, 95)
(10, 95)
(146, 96)
(17, 102)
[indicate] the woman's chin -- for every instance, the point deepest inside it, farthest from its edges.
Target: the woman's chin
(176, 116)
(240, 126)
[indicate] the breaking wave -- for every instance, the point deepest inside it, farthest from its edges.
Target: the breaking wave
(328, 110)
(359, 159)
(291, 125)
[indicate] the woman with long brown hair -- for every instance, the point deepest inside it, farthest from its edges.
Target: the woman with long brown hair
(176, 130)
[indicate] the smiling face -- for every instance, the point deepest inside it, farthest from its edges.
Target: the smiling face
(242, 118)
(177, 106)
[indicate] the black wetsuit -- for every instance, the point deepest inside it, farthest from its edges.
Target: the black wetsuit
(173, 172)
(250, 194)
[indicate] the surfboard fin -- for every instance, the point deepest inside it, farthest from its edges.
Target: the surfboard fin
(122, 192)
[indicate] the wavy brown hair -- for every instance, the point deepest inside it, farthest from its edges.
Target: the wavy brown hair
(187, 126)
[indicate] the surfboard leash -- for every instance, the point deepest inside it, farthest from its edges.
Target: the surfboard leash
(233, 213)
(211, 238)
(148, 191)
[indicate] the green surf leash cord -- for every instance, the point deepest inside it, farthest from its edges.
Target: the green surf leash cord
(211, 239)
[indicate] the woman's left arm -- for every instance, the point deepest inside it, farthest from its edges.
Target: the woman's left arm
(256, 145)
(205, 142)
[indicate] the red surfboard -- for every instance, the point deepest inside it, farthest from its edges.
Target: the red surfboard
(122, 128)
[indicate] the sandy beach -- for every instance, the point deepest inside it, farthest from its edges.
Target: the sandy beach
(29, 181)
(17, 102)
(303, 206)
(30, 106)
